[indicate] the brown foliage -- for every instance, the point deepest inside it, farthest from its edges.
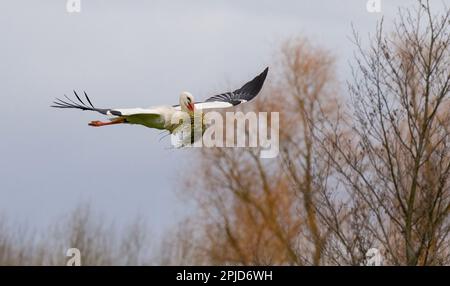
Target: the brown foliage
(346, 179)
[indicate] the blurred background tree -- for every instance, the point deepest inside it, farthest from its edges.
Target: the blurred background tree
(373, 173)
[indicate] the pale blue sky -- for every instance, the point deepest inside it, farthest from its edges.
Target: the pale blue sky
(127, 54)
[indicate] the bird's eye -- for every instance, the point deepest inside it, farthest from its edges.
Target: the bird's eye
(189, 99)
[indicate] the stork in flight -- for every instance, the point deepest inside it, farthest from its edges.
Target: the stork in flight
(161, 117)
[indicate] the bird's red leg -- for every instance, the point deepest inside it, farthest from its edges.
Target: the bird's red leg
(99, 123)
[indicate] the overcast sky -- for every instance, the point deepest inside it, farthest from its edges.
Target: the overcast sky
(130, 54)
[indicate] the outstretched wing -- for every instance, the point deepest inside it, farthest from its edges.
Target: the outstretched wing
(69, 103)
(246, 93)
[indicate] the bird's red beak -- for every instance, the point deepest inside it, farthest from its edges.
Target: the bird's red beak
(191, 106)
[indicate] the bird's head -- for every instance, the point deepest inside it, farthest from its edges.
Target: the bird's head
(187, 102)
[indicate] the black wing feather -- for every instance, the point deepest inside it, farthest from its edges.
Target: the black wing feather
(59, 103)
(246, 93)
(88, 99)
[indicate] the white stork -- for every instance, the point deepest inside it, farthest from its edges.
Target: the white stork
(162, 117)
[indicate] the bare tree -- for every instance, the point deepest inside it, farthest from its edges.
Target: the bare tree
(395, 165)
(16, 244)
(308, 83)
(348, 179)
(259, 211)
(99, 244)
